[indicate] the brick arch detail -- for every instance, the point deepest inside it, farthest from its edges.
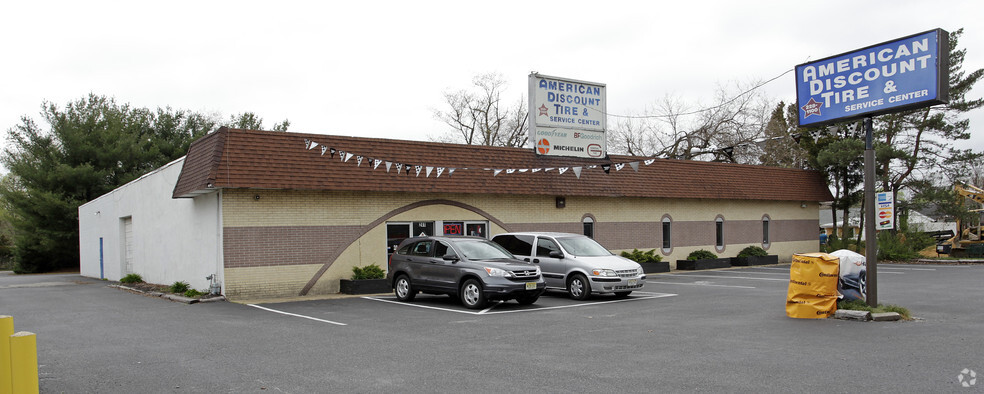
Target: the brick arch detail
(382, 219)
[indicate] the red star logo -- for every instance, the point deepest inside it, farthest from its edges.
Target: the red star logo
(811, 108)
(543, 110)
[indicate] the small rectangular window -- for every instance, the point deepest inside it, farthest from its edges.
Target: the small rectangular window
(666, 235)
(719, 233)
(589, 229)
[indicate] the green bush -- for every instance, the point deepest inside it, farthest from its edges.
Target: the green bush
(642, 257)
(902, 246)
(701, 255)
(753, 251)
(179, 287)
(858, 305)
(132, 278)
(371, 271)
(192, 293)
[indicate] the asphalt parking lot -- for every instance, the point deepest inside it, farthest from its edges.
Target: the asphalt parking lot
(717, 331)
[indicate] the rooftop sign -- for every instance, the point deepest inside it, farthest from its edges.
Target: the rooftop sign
(567, 117)
(907, 73)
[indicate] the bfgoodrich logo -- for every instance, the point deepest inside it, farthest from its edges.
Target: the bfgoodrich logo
(967, 377)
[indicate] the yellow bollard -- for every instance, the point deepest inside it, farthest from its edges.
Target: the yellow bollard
(6, 330)
(24, 371)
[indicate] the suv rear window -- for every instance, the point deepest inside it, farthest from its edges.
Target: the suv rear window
(520, 245)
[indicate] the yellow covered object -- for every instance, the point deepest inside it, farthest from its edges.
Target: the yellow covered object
(812, 286)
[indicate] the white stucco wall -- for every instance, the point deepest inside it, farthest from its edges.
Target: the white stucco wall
(173, 239)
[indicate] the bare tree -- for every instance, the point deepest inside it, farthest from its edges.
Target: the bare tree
(726, 131)
(478, 116)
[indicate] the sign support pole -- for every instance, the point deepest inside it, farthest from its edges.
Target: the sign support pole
(870, 241)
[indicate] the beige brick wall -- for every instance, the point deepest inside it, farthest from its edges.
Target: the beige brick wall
(275, 244)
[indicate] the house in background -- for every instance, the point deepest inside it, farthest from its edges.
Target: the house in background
(275, 214)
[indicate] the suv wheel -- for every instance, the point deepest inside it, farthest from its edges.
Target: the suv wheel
(403, 289)
(578, 287)
(472, 295)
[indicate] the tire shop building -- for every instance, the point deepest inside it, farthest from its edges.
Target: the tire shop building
(274, 214)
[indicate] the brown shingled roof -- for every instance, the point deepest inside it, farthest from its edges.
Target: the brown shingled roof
(233, 158)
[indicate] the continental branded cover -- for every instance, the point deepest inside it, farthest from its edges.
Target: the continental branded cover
(812, 286)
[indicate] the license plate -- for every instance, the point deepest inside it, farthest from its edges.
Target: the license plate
(530, 285)
(632, 282)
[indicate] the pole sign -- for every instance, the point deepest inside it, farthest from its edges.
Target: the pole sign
(907, 73)
(567, 117)
(884, 211)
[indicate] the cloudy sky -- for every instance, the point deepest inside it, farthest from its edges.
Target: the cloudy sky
(379, 69)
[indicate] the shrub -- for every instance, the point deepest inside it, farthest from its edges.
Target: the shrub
(642, 257)
(371, 271)
(903, 246)
(753, 251)
(192, 293)
(132, 278)
(701, 255)
(179, 287)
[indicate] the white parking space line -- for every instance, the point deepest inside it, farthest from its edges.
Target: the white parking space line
(730, 277)
(700, 283)
(895, 267)
(489, 311)
(296, 315)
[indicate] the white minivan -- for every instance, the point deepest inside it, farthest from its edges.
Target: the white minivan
(575, 263)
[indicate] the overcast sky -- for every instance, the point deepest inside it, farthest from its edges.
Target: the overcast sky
(379, 69)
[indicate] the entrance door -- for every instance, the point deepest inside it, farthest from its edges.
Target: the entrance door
(127, 245)
(396, 233)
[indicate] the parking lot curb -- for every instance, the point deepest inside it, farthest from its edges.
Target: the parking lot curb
(170, 297)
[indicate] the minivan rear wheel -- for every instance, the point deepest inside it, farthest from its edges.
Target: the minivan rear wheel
(472, 296)
(578, 287)
(404, 289)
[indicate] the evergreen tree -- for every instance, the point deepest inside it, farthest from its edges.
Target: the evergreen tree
(87, 149)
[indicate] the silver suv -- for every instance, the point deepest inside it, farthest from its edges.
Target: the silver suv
(469, 268)
(575, 263)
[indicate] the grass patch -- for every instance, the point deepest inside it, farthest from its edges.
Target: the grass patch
(131, 278)
(857, 305)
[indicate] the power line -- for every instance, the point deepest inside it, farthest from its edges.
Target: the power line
(700, 110)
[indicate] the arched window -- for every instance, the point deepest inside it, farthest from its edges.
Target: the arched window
(667, 238)
(588, 223)
(719, 233)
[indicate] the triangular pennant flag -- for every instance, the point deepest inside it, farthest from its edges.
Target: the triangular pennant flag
(650, 161)
(307, 143)
(399, 168)
(388, 165)
(313, 145)
(440, 170)
(418, 168)
(592, 167)
(548, 169)
(347, 157)
(359, 160)
(510, 171)
(332, 151)
(562, 170)
(341, 155)
(577, 172)
(634, 165)
(496, 172)
(524, 169)
(619, 167)
(323, 149)
(537, 169)
(450, 171)
(375, 164)
(607, 168)
(406, 167)
(429, 169)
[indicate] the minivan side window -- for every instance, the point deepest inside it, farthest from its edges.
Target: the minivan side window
(545, 246)
(405, 249)
(519, 245)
